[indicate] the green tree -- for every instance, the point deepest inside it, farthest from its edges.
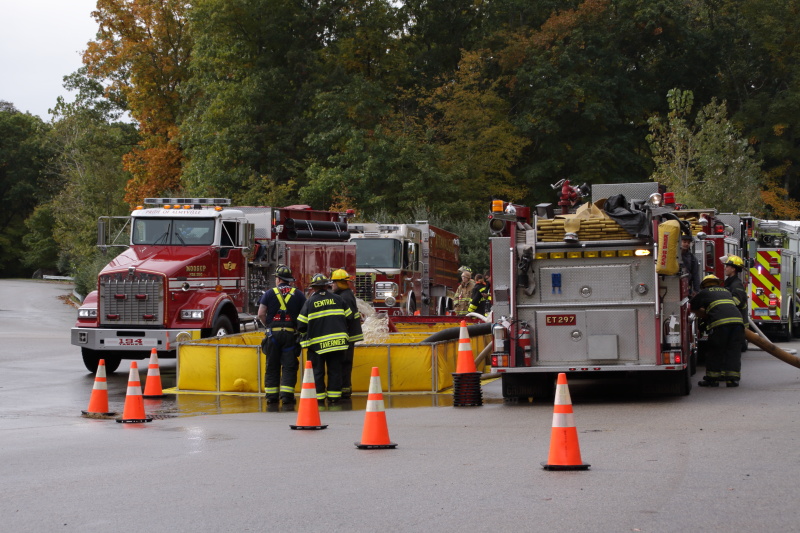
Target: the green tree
(708, 163)
(89, 142)
(252, 73)
(23, 164)
(480, 144)
(583, 82)
(42, 249)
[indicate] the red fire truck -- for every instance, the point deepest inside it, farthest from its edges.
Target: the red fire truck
(196, 267)
(590, 295)
(405, 268)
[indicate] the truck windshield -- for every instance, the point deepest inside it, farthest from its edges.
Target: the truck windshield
(173, 231)
(378, 253)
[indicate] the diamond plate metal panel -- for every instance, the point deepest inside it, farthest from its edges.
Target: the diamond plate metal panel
(588, 338)
(593, 281)
(733, 221)
(560, 343)
(261, 218)
(639, 191)
(501, 275)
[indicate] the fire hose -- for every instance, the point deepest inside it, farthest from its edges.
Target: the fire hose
(760, 340)
(757, 337)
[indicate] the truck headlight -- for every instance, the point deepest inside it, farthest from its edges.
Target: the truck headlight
(193, 314)
(390, 300)
(386, 289)
(87, 312)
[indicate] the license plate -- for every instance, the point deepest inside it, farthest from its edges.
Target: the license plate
(136, 341)
(760, 312)
(559, 320)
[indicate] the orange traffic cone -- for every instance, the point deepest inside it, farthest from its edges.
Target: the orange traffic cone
(152, 387)
(134, 404)
(376, 433)
(307, 409)
(465, 362)
(565, 453)
(98, 402)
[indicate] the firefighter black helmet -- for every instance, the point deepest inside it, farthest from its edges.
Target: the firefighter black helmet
(319, 280)
(284, 272)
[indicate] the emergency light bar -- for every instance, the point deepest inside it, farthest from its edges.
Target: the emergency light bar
(191, 201)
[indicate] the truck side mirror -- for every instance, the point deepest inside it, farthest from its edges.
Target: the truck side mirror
(248, 238)
(101, 235)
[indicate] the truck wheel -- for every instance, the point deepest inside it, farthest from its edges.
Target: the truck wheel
(520, 387)
(669, 383)
(443, 304)
(91, 359)
(222, 326)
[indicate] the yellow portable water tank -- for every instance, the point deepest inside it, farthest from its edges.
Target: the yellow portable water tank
(669, 238)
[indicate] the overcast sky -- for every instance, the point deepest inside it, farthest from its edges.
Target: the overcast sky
(41, 41)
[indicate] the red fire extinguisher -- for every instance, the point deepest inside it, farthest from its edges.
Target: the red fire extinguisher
(524, 342)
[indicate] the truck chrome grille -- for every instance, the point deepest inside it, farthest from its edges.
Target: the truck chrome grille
(364, 287)
(125, 302)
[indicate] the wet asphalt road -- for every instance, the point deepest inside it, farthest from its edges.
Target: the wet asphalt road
(717, 460)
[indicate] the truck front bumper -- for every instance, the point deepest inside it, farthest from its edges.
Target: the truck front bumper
(129, 339)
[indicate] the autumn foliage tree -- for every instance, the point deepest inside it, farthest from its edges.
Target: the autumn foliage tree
(143, 49)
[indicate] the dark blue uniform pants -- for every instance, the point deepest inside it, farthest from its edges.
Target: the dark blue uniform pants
(283, 353)
(332, 361)
(724, 359)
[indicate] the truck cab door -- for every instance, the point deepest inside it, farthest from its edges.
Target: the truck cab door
(233, 262)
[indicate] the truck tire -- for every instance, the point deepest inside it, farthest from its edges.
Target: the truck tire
(411, 304)
(443, 304)
(666, 383)
(222, 326)
(91, 359)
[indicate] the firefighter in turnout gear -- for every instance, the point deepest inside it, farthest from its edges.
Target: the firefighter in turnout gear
(341, 287)
(480, 297)
(725, 333)
(325, 319)
(278, 310)
(464, 292)
(733, 266)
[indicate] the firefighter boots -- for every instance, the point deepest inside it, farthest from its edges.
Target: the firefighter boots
(708, 383)
(731, 383)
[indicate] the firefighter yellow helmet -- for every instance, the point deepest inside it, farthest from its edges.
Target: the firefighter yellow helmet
(284, 272)
(735, 261)
(319, 280)
(340, 275)
(709, 281)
